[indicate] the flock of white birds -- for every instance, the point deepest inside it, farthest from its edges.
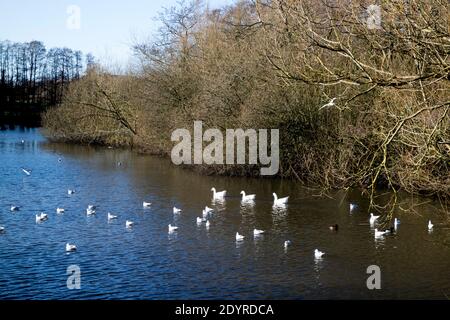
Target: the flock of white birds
(207, 211)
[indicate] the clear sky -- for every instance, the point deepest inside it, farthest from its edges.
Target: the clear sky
(107, 27)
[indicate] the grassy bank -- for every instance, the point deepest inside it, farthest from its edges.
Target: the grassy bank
(273, 65)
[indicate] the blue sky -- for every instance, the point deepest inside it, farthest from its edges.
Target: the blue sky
(107, 28)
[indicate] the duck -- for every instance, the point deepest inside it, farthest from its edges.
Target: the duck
(279, 201)
(59, 210)
(257, 232)
(287, 243)
(396, 223)
(111, 216)
(129, 223)
(172, 228)
(176, 210)
(379, 234)
(204, 213)
(318, 254)
(239, 237)
(2, 229)
(70, 191)
(249, 197)
(430, 225)
(218, 195)
(353, 206)
(334, 227)
(15, 208)
(41, 217)
(26, 171)
(199, 220)
(146, 204)
(70, 247)
(90, 211)
(373, 218)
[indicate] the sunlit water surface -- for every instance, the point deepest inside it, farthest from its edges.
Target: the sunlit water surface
(146, 262)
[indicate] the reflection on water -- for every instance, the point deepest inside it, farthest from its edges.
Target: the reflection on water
(379, 242)
(196, 262)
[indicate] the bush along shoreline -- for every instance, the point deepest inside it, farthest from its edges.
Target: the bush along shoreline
(358, 102)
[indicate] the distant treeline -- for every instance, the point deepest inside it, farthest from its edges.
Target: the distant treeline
(278, 64)
(32, 77)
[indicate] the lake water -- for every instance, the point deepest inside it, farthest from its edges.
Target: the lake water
(146, 262)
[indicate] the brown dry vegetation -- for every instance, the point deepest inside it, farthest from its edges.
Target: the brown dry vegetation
(273, 64)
